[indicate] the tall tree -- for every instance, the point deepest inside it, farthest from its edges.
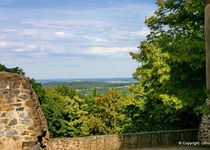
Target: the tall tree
(108, 109)
(171, 87)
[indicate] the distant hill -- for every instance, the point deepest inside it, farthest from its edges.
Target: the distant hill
(103, 80)
(86, 86)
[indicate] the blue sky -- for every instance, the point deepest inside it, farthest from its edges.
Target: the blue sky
(72, 38)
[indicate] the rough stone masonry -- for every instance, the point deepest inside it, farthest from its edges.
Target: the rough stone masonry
(22, 123)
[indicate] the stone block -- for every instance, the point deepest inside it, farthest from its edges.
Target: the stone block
(3, 114)
(26, 121)
(9, 97)
(11, 133)
(1, 133)
(23, 114)
(17, 104)
(23, 97)
(20, 109)
(13, 122)
(16, 91)
(4, 85)
(11, 114)
(31, 104)
(25, 133)
(3, 121)
(6, 107)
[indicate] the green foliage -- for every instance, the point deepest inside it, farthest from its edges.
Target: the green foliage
(66, 91)
(94, 92)
(53, 107)
(171, 90)
(77, 116)
(107, 108)
(106, 115)
(64, 112)
(40, 92)
(12, 70)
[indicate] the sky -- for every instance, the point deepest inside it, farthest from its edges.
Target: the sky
(61, 39)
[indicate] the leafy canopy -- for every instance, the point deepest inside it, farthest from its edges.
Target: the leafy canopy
(171, 74)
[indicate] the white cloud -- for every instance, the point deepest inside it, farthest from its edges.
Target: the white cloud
(8, 45)
(50, 48)
(3, 44)
(11, 46)
(142, 33)
(49, 23)
(111, 50)
(7, 30)
(60, 34)
(20, 32)
(27, 48)
(41, 48)
(28, 32)
(120, 34)
(96, 39)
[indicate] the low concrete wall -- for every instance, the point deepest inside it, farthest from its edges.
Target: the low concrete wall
(126, 141)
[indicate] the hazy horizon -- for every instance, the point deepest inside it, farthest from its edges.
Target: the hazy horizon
(92, 78)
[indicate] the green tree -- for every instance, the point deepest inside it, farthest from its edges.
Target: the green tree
(108, 108)
(171, 91)
(40, 92)
(53, 107)
(94, 93)
(66, 91)
(64, 113)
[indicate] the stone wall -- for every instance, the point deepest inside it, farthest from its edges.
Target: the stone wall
(22, 123)
(126, 141)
